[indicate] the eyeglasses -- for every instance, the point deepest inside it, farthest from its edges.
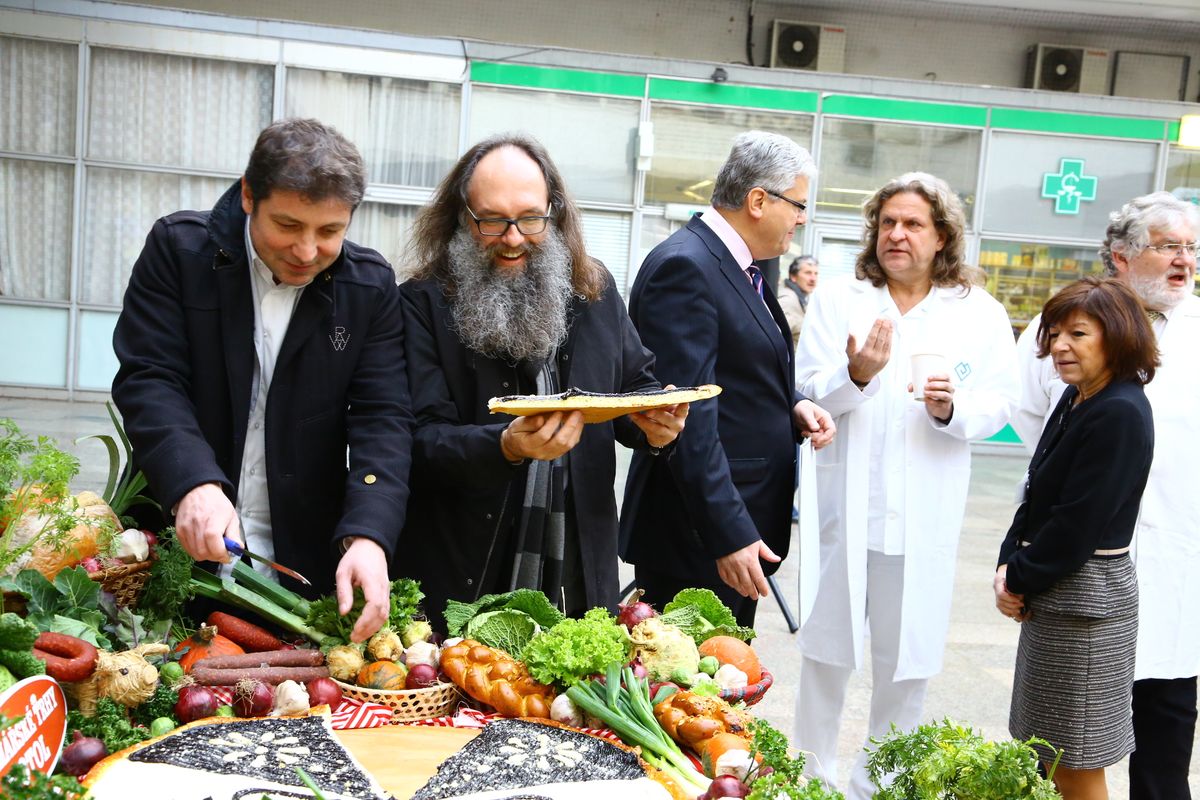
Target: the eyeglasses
(498, 226)
(1174, 249)
(801, 207)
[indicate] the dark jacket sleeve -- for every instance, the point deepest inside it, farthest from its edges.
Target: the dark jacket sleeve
(446, 448)
(1095, 488)
(379, 431)
(152, 386)
(678, 320)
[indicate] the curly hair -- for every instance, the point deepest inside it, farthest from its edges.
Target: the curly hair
(1129, 229)
(949, 264)
(438, 221)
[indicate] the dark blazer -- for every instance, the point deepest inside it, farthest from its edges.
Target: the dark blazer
(185, 340)
(729, 478)
(465, 494)
(1084, 487)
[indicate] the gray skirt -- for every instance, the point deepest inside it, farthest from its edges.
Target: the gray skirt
(1073, 685)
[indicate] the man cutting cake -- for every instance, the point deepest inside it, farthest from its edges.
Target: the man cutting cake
(505, 300)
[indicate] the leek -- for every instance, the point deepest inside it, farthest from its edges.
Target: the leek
(278, 594)
(208, 585)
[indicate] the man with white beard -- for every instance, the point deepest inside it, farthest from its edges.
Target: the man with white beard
(505, 300)
(1151, 245)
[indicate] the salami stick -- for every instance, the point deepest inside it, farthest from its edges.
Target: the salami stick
(270, 675)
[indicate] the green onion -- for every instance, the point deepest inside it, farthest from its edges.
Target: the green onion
(208, 585)
(278, 594)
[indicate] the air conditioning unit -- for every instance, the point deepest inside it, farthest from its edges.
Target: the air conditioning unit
(1067, 68)
(813, 46)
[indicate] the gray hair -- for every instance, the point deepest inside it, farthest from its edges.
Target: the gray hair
(758, 158)
(1129, 229)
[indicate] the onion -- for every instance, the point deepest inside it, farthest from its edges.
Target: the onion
(727, 786)
(635, 611)
(81, 754)
(420, 677)
(252, 698)
(324, 692)
(639, 671)
(195, 702)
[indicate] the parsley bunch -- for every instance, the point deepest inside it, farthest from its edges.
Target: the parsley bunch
(323, 616)
(23, 784)
(776, 774)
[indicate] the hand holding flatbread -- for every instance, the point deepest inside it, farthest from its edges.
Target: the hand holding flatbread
(599, 407)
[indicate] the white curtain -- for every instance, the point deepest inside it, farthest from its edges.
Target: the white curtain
(176, 111)
(607, 238)
(384, 227)
(37, 116)
(407, 130)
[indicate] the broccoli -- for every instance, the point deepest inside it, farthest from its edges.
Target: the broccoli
(16, 646)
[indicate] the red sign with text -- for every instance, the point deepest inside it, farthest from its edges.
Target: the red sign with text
(36, 739)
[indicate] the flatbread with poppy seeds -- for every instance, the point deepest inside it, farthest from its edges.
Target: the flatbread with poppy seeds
(597, 406)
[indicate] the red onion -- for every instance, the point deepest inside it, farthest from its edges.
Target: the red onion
(151, 538)
(252, 698)
(195, 702)
(324, 692)
(81, 754)
(635, 611)
(727, 786)
(91, 565)
(420, 677)
(639, 671)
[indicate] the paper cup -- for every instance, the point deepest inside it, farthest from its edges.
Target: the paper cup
(924, 365)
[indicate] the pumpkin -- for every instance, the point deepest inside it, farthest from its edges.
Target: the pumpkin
(382, 675)
(729, 650)
(205, 643)
(712, 748)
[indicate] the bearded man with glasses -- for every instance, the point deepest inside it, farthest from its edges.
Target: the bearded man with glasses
(1151, 245)
(505, 300)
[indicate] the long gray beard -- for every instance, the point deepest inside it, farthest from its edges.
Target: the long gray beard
(517, 315)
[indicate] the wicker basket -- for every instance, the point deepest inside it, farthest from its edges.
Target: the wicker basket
(125, 581)
(749, 694)
(408, 705)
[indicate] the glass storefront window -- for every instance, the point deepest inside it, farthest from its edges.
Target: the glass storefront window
(37, 96)
(857, 157)
(1183, 174)
(591, 138)
(120, 207)
(407, 130)
(167, 110)
(1024, 276)
(1089, 178)
(692, 142)
(35, 229)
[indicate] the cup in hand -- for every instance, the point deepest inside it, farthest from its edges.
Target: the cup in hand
(924, 365)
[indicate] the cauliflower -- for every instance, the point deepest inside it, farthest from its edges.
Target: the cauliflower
(344, 661)
(663, 648)
(385, 646)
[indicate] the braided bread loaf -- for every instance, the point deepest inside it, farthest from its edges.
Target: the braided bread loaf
(493, 677)
(691, 719)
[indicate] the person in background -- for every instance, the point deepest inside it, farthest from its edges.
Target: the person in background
(716, 513)
(505, 300)
(893, 488)
(1064, 570)
(1150, 245)
(799, 285)
(256, 344)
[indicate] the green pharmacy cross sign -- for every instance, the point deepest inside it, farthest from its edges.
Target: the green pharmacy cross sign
(1069, 186)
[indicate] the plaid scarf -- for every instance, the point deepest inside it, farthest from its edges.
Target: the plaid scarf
(541, 533)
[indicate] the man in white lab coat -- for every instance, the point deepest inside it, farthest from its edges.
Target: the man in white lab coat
(1151, 244)
(893, 485)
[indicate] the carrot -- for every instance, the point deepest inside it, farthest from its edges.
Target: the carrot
(271, 675)
(251, 637)
(67, 657)
(273, 658)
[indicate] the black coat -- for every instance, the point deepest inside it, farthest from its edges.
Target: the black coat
(730, 479)
(185, 340)
(1084, 488)
(465, 494)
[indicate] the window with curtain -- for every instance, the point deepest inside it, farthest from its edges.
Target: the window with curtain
(590, 138)
(607, 238)
(407, 130)
(384, 227)
(857, 157)
(692, 142)
(176, 111)
(122, 205)
(37, 117)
